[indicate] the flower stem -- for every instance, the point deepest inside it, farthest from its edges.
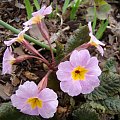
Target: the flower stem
(81, 47)
(44, 31)
(2, 23)
(43, 60)
(52, 54)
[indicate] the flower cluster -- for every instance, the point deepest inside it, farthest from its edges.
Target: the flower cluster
(39, 100)
(78, 75)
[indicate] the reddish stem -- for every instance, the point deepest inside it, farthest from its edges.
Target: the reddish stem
(83, 46)
(43, 83)
(32, 49)
(44, 31)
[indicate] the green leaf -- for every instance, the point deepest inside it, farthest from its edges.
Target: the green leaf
(95, 19)
(29, 8)
(101, 29)
(53, 82)
(110, 82)
(110, 85)
(80, 36)
(112, 105)
(65, 6)
(36, 4)
(100, 2)
(102, 11)
(85, 114)
(8, 112)
(110, 65)
(93, 105)
(59, 51)
(74, 9)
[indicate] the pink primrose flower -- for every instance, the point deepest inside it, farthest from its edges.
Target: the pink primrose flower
(8, 60)
(38, 16)
(79, 74)
(29, 100)
(94, 41)
(19, 39)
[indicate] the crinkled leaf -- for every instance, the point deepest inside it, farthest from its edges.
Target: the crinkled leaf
(112, 105)
(110, 83)
(110, 65)
(80, 36)
(59, 51)
(85, 114)
(8, 112)
(93, 105)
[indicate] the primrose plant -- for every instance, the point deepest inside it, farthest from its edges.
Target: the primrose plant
(77, 75)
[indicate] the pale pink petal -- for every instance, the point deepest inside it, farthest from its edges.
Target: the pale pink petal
(47, 11)
(93, 61)
(90, 27)
(79, 58)
(93, 80)
(28, 89)
(18, 102)
(10, 42)
(6, 63)
(96, 72)
(47, 95)
(74, 58)
(63, 76)
(92, 67)
(28, 23)
(28, 110)
(86, 87)
(48, 109)
(73, 88)
(39, 12)
(22, 32)
(100, 49)
(94, 39)
(65, 66)
(84, 57)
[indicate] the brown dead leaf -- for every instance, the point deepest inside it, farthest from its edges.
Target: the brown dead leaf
(8, 88)
(15, 80)
(62, 109)
(19, 50)
(2, 93)
(30, 75)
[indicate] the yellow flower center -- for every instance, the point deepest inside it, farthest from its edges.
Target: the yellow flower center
(37, 19)
(93, 43)
(79, 73)
(12, 61)
(35, 102)
(20, 38)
